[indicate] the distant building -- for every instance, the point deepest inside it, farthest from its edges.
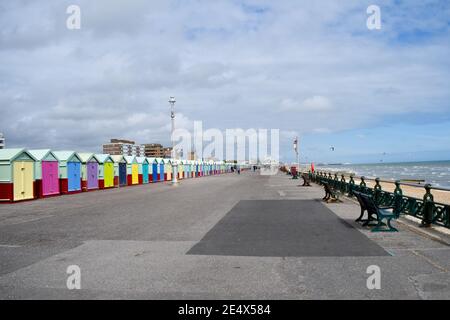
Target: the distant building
(124, 147)
(154, 150)
(2, 141)
(168, 152)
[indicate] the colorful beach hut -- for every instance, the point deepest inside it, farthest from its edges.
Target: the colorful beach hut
(167, 169)
(143, 169)
(192, 165)
(196, 172)
(205, 168)
(180, 169)
(132, 170)
(69, 171)
(105, 171)
(200, 168)
(191, 168)
(89, 171)
(211, 167)
(46, 173)
(152, 169)
(16, 175)
(120, 170)
(185, 169)
(161, 173)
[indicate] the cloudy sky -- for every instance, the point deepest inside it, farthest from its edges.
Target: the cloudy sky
(308, 68)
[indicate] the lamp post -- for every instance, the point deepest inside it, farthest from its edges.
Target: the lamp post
(174, 154)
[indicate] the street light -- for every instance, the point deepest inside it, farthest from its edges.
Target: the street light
(174, 154)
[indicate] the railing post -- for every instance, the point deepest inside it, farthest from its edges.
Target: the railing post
(377, 191)
(343, 184)
(336, 181)
(398, 196)
(351, 186)
(362, 185)
(428, 204)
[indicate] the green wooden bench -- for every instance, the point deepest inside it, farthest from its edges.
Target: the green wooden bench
(331, 194)
(381, 213)
(306, 180)
(370, 217)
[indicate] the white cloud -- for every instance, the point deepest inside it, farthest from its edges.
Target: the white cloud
(228, 64)
(309, 107)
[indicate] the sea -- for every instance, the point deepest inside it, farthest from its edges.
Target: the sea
(436, 173)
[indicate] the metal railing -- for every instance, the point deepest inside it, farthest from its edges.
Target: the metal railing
(426, 209)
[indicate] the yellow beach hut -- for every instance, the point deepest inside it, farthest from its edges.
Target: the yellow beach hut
(132, 170)
(16, 175)
(105, 171)
(168, 169)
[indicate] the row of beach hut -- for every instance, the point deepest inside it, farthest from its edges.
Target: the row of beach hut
(31, 174)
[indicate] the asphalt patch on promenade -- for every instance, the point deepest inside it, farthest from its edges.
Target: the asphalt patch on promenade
(284, 228)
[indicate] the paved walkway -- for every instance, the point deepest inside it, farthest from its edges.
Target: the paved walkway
(228, 236)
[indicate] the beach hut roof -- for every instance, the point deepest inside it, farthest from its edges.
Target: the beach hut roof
(159, 160)
(12, 154)
(41, 154)
(141, 159)
(65, 155)
(87, 156)
(151, 160)
(130, 159)
(103, 157)
(118, 158)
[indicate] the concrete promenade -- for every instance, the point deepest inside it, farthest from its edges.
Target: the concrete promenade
(219, 237)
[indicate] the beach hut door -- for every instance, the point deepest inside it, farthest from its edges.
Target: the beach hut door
(109, 174)
(92, 175)
(123, 174)
(23, 180)
(134, 173)
(155, 171)
(73, 176)
(161, 172)
(50, 183)
(145, 173)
